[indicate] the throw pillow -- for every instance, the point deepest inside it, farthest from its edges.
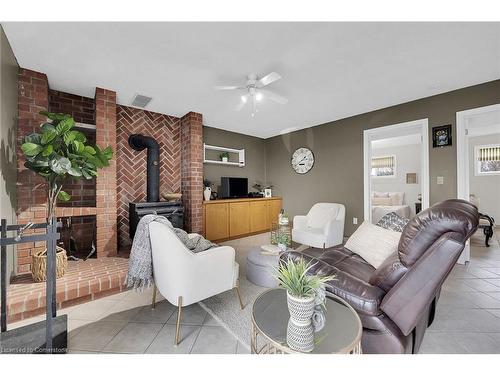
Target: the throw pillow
(393, 221)
(376, 201)
(372, 243)
(378, 194)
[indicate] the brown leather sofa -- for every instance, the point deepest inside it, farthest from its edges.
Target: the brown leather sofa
(396, 302)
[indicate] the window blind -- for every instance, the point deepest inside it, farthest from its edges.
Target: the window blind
(383, 162)
(489, 153)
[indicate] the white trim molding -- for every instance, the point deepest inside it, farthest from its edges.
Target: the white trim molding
(420, 127)
(468, 122)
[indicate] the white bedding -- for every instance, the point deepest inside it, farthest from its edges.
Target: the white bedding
(379, 211)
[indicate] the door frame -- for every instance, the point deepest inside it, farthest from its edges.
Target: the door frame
(466, 124)
(421, 127)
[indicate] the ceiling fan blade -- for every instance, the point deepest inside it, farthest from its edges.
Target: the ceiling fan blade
(268, 79)
(242, 103)
(274, 97)
(228, 87)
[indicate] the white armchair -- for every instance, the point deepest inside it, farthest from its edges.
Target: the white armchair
(184, 277)
(322, 227)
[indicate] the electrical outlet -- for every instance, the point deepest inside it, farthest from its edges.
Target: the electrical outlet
(440, 180)
(355, 220)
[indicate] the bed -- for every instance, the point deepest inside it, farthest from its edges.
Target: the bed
(385, 202)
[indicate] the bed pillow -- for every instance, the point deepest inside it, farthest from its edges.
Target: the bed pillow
(397, 198)
(373, 243)
(393, 221)
(376, 201)
(378, 194)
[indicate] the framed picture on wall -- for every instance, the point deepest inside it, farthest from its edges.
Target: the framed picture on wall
(441, 136)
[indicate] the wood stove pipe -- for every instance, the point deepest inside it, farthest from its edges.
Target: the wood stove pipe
(140, 142)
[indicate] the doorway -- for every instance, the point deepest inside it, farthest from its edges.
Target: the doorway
(394, 180)
(478, 129)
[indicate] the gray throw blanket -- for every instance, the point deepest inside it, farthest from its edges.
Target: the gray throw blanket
(140, 264)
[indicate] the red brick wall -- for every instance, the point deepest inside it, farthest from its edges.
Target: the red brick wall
(31, 189)
(131, 168)
(105, 108)
(192, 171)
(82, 110)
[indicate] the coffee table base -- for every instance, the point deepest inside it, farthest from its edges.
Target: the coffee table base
(264, 346)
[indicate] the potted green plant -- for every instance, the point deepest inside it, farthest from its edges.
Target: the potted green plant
(207, 192)
(302, 291)
(58, 152)
(224, 157)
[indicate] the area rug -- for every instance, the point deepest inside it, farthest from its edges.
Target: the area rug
(225, 307)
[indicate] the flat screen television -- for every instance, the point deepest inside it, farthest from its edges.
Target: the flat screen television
(233, 187)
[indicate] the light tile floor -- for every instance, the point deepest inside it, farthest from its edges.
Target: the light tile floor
(467, 319)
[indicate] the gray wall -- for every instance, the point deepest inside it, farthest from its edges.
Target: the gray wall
(8, 114)
(337, 175)
(485, 188)
(255, 156)
(407, 161)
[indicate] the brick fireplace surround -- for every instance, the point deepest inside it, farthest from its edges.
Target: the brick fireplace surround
(181, 145)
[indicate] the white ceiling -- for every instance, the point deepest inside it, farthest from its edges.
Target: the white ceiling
(330, 70)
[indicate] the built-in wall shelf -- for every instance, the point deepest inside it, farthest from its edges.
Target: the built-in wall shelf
(211, 155)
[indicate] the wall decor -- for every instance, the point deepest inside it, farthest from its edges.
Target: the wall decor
(302, 160)
(441, 136)
(411, 178)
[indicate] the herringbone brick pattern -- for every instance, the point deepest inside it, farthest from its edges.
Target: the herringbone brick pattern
(131, 164)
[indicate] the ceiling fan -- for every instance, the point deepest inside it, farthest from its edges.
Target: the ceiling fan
(255, 91)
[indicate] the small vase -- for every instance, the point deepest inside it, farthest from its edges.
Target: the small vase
(300, 331)
(300, 337)
(207, 193)
(301, 309)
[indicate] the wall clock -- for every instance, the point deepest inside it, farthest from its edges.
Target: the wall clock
(302, 160)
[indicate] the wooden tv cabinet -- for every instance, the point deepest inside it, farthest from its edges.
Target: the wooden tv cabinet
(225, 219)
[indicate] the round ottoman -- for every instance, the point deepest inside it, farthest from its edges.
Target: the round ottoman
(260, 268)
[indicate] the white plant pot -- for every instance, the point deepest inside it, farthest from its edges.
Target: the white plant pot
(224, 160)
(301, 309)
(207, 193)
(300, 331)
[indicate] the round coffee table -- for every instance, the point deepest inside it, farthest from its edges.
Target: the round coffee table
(341, 334)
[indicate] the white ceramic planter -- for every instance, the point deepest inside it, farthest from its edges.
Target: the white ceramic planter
(224, 160)
(207, 193)
(300, 331)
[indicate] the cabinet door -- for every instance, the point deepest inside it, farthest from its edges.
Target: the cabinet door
(239, 218)
(259, 217)
(273, 209)
(216, 221)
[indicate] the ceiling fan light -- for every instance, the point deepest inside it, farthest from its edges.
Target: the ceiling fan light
(244, 98)
(258, 96)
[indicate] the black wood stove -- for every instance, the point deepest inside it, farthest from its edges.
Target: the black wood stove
(173, 211)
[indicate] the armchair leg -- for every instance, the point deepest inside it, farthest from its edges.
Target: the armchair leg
(178, 325)
(237, 287)
(153, 302)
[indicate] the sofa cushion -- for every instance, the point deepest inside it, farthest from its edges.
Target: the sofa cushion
(374, 244)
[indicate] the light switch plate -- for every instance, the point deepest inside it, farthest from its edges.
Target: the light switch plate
(440, 180)
(355, 220)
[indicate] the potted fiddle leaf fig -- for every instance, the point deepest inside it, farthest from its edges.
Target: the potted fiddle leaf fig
(58, 152)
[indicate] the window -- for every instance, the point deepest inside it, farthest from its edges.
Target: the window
(384, 166)
(487, 160)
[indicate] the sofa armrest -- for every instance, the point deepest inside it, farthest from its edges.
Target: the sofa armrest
(300, 221)
(414, 292)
